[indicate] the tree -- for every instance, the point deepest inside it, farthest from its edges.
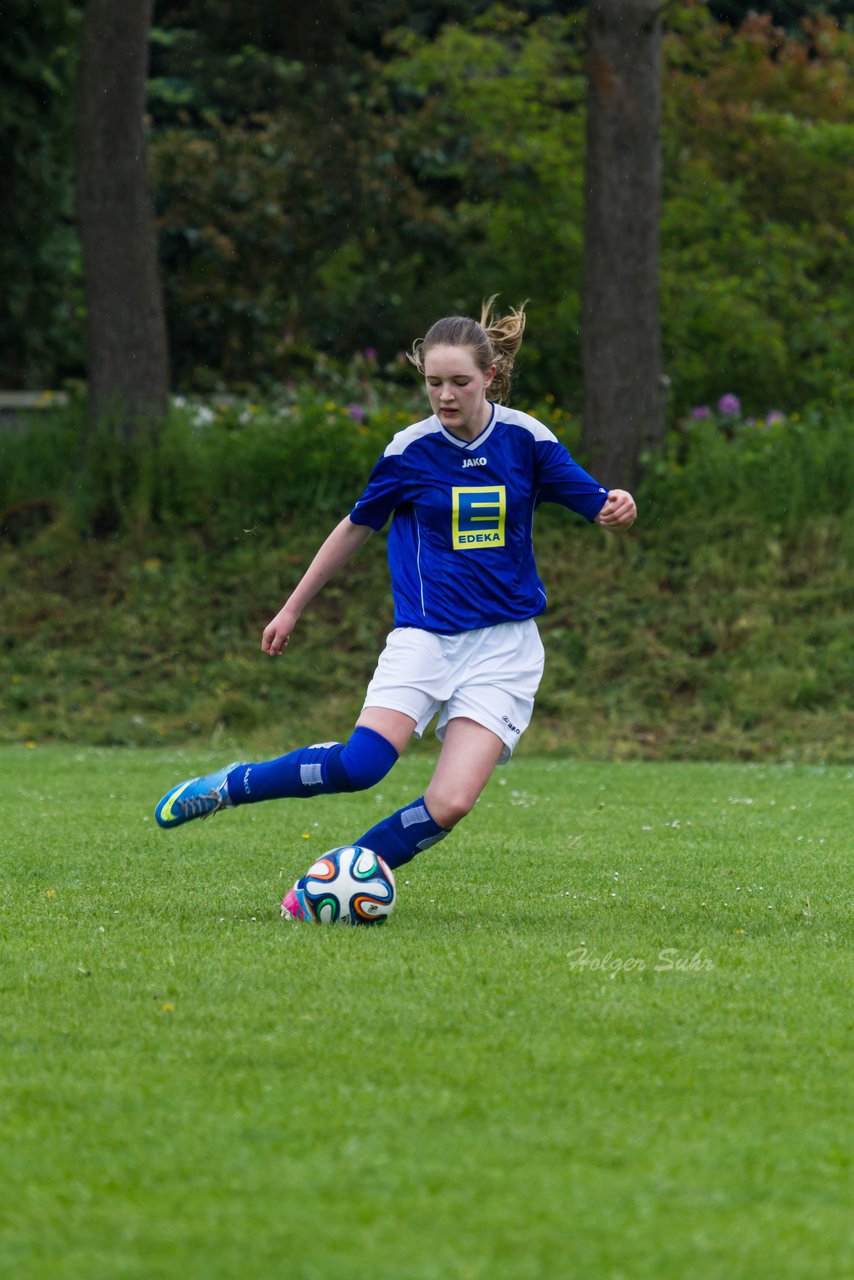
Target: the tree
(128, 366)
(623, 410)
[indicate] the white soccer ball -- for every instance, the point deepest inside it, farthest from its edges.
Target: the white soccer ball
(351, 885)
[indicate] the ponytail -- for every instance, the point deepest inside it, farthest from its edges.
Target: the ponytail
(493, 340)
(505, 337)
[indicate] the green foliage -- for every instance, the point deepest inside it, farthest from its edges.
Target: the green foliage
(788, 13)
(492, 128)
(249, 289)
(719, 627)
(248, 468)
(38, 455)
(190, 83)
(431, 165)
(463, 153)
(40, 266)
(780, 471)
(600, 1036)
(220, 467)
(758, 131)
(439, 150)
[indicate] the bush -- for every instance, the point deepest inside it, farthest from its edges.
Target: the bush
(231, 467)
(776, 473)
(223, 466)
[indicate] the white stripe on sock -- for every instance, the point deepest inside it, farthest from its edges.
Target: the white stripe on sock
(419, 813)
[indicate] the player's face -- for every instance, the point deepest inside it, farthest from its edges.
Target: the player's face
(457, 390)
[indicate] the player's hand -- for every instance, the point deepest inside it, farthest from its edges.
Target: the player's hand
(277, 633)
(619, 511)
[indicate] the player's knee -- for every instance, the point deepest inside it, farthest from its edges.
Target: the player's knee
(363, 761)
(449, 806)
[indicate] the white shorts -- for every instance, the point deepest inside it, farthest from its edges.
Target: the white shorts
(490, 676)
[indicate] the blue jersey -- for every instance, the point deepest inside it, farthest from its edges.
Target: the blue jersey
(460, 548)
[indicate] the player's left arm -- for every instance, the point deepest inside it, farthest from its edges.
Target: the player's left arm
(619, 510)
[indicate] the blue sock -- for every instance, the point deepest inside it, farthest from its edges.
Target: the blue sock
(325, 767)
(399, 837)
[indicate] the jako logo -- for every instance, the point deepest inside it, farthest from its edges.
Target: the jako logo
(474, 462)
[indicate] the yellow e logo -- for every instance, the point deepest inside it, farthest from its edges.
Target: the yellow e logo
(478, 517)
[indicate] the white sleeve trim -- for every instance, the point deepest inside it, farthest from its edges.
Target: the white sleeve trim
(515, 418)
(409, 435)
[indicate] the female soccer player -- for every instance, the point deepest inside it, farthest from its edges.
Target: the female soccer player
(462, 487)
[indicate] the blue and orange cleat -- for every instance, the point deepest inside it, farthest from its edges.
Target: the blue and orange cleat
(195, 798)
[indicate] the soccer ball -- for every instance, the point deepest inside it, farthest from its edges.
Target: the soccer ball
(350, 885)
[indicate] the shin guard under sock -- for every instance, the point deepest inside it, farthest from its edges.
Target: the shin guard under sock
(320, 769)
(399, 837)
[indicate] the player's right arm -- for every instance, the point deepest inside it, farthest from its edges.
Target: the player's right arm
(343, 542)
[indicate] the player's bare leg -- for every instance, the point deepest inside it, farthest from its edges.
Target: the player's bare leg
(467, 761)
(395, 726)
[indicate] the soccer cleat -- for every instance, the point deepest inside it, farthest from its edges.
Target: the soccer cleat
(195, 798)
(293, 905)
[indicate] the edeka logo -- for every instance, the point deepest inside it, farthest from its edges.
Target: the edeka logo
(478, 517)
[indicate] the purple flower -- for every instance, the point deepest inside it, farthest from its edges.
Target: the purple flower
(701, 411)
(356, 411)
(370, 354)
(729, 405)
(774, 416)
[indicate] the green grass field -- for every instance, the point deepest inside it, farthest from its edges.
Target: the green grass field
(606, 1034)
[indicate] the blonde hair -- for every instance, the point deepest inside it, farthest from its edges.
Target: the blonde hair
(491, 340)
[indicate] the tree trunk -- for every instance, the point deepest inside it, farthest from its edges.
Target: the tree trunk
(624, 387)
(128, 363)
